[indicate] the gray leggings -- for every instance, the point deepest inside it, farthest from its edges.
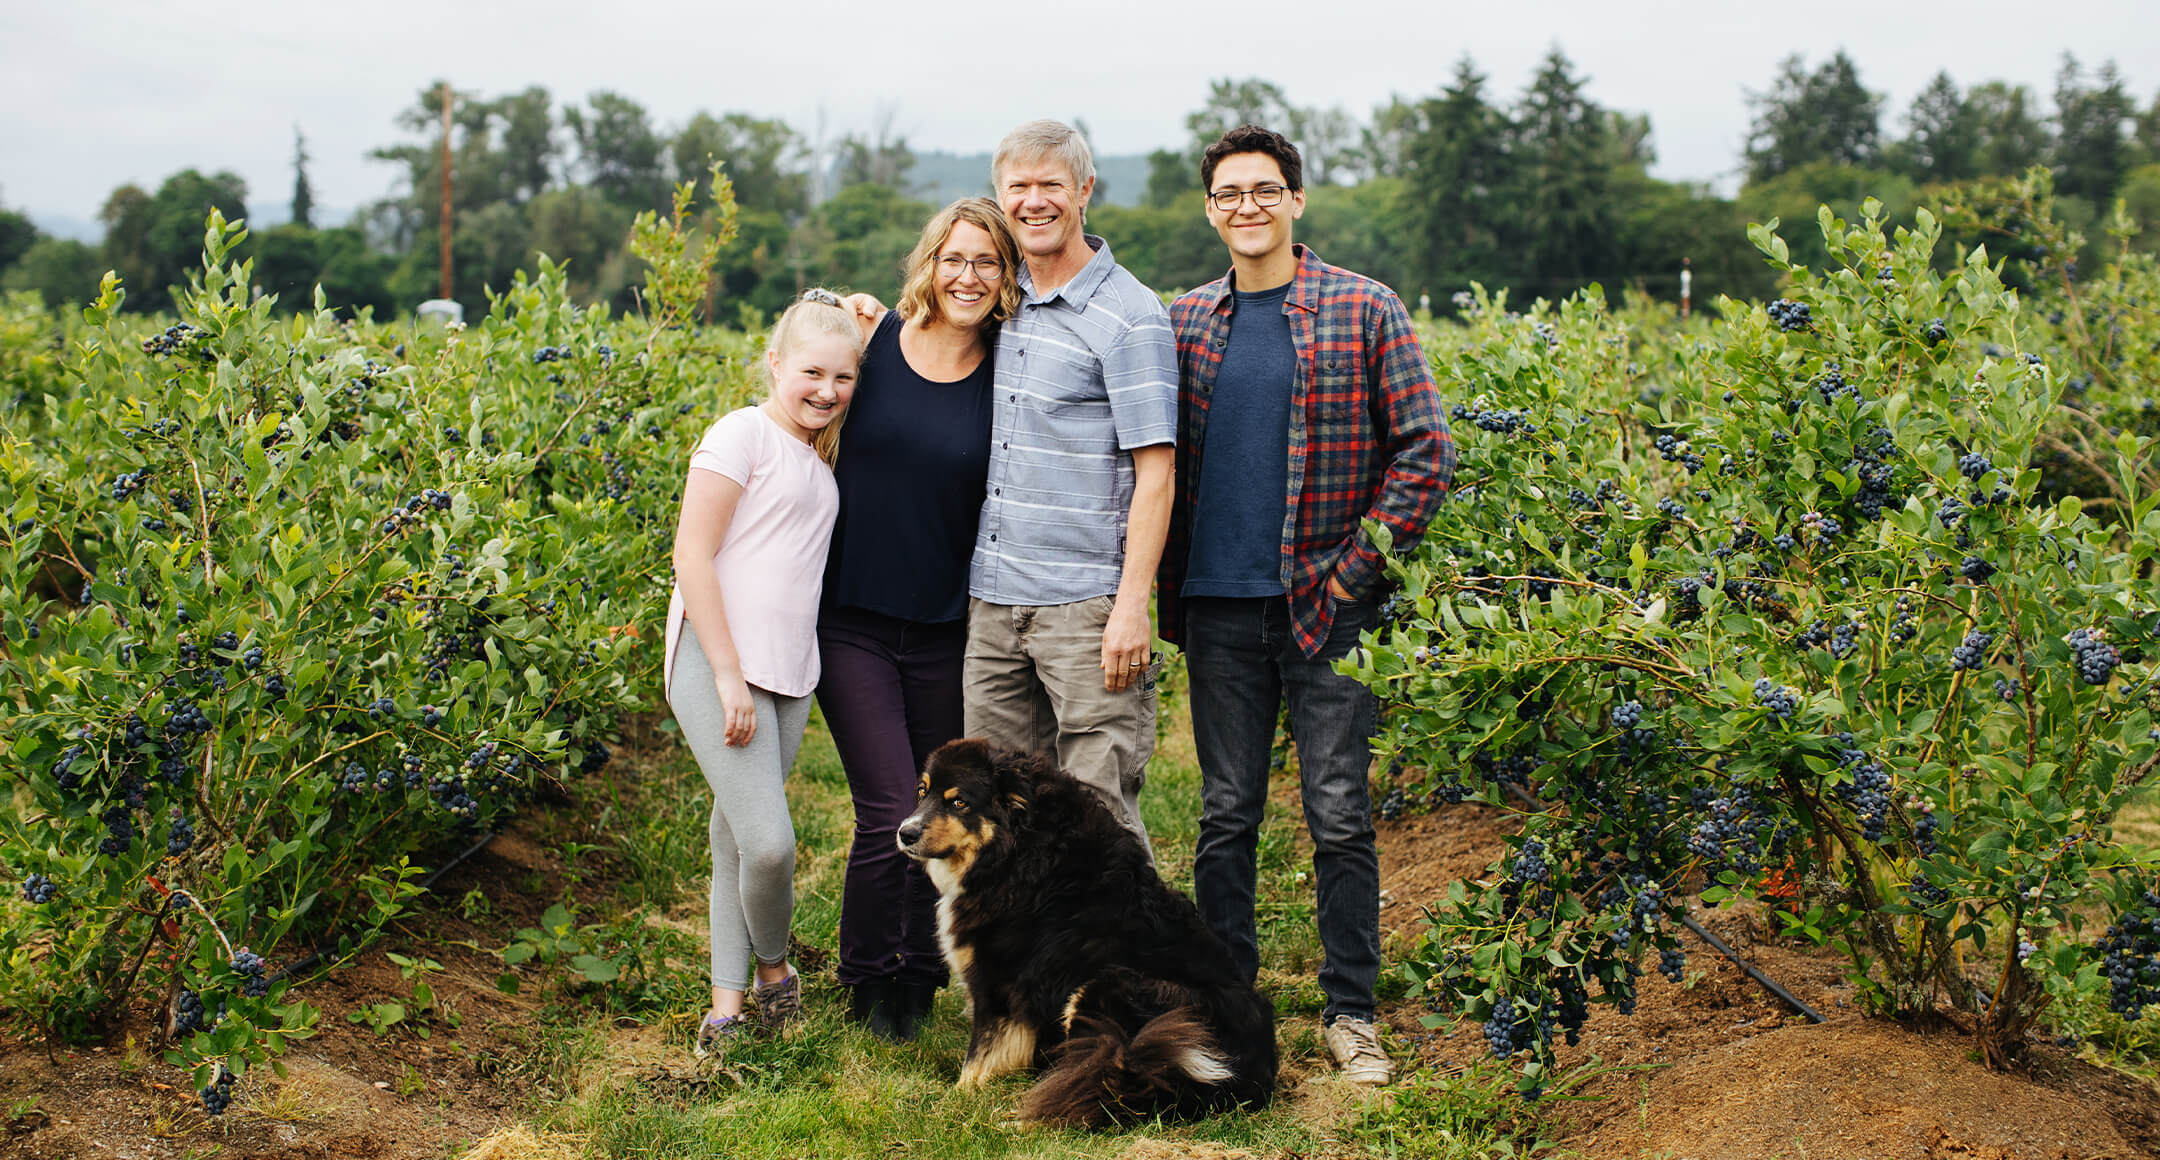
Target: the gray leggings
(752, 837)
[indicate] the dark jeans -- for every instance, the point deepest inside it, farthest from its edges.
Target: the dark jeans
(891, 693)
(1243, 661)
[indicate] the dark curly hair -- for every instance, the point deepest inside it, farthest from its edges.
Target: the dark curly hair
(1254, 139)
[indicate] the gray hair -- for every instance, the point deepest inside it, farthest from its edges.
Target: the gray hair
(1055, 140)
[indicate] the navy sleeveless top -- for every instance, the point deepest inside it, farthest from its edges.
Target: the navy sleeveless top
(914, 459)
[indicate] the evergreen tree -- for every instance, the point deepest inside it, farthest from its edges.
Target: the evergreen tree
(1560, 227)
(2008, 138)
(303, 194)
(1826, 115)
(1458, 168)
(1942, 139)
(2091, 132)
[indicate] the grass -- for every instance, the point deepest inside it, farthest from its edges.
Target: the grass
(623, 1083)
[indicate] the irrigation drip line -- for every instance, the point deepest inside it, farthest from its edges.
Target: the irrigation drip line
(1751, 970)
(308, 962)
(1790, 1000)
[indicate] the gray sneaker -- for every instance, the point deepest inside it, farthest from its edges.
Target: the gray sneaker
(1355, 1044)
(717, 1032)
(779, 1003)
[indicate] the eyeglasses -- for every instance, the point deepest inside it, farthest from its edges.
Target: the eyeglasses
(821, 296)
(1266, 197)
(987, 269)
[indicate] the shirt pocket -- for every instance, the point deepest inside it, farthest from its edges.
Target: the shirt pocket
(1338, 388)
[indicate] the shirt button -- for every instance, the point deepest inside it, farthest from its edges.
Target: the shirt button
(993, 537)
(997, 491)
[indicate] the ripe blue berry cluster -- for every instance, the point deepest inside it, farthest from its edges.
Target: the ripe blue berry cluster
(415, 510)
(1973, 652)
(1783, 701)
(1936, 332)
(1735, 831)
(1925, 894)
(39, 890)
(1831, 383)
(548, 354)
(1790, 315)
(1974, 466)
(1902, 626)
(1529, 866)
(1840, 640)
(218, 1095)
(180, 836)
(127, 483)
(2130, 957)
(1976, 569)
(1867, 792)
(2094, 658)
(249, 966)
(1497, 420)
(119, 831)
(1627, 715)
(1392, 806)
(1818, 528)
(173, 339)
(188, 1014)
(1672, 963)
(1675, 451)
(1506, 1031)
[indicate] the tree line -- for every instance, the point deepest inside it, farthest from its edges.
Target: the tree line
(1541, 193)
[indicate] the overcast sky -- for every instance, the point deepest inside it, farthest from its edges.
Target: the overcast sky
(131, 91)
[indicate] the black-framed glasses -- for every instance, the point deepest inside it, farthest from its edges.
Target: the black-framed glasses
(1266, 197)
(987, 269)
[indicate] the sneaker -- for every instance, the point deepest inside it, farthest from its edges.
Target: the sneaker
(717, 1031)
(1355, 1044)
(778, 1003)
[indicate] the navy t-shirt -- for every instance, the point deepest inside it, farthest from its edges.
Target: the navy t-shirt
(914, 459)
(1239, 505)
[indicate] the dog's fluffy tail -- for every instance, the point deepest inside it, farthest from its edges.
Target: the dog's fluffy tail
(1173, 1065)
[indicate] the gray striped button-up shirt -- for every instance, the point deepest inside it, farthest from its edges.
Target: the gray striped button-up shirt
(1085, 374)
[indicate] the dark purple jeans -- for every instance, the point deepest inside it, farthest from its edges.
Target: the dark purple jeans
(890, 690)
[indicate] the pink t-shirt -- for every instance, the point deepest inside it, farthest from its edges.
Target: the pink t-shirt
(771, 565)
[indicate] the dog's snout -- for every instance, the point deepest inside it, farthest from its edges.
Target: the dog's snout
(910, 831)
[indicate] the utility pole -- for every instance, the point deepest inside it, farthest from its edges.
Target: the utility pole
(446, 282)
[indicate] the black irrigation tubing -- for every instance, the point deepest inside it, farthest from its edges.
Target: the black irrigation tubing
(315, 956)
(1751, 970)
(1769, 984)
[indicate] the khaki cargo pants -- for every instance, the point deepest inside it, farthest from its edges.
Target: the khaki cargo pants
(1033, 681)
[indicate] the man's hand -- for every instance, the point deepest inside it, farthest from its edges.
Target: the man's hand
(1336, 590)
(1127, 645)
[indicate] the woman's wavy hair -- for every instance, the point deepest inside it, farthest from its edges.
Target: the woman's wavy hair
(818, 313)
(918, 294)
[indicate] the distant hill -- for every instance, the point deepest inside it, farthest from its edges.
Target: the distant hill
(261, 217)
(940, 177)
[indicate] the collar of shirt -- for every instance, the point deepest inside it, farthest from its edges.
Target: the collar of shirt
(1304, 285)
(1081, 286)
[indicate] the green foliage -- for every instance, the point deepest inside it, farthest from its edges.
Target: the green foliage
(290, 603)
(1707, 600)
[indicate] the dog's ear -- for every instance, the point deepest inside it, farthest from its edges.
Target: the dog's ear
(1017, 776)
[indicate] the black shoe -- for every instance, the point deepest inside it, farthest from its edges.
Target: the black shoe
(917, 999)
(877, 1005)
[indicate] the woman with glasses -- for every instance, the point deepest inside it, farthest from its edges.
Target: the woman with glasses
(892, 629)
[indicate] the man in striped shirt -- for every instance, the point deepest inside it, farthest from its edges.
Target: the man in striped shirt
(1305, 408)
(1059, 654)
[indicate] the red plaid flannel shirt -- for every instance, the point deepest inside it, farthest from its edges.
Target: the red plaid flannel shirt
(1367, 439)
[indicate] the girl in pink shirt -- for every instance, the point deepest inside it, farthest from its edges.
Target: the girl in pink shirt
(742, 656)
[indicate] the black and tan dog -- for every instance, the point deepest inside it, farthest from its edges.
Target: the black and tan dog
(1076, 956)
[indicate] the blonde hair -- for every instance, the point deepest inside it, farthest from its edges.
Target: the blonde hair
(817, 314)
(918, 295)
(1055, 140)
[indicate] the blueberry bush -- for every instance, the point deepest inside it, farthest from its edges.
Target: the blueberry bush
(293, 605)
(1799, 603)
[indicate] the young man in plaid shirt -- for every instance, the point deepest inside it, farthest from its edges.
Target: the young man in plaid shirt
(1305, 407)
